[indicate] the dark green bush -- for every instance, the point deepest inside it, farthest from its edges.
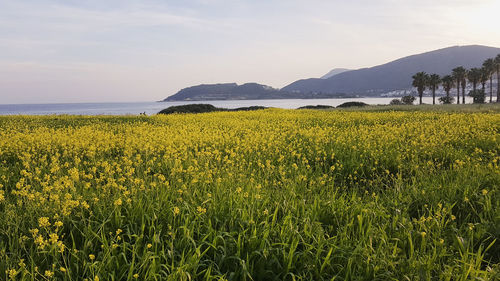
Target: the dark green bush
(478, 96)
(408, 100)
(352, 104)
(319, 106)
(396, 102)
(203, 108)
(446, 100)
(249, 108)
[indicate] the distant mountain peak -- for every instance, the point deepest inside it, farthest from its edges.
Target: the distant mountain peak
(334, 72)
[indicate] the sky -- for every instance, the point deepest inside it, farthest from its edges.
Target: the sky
(129, 50)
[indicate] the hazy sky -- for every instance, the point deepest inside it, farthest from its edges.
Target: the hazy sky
(125, 50)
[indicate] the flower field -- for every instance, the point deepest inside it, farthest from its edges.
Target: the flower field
(264, 195)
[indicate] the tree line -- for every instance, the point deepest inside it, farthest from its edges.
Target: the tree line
(458, 79)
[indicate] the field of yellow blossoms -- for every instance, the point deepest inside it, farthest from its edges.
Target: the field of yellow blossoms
(264, 195)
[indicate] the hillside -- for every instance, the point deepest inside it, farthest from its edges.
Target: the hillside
(395, 75)
(334, 72)
(226, 91)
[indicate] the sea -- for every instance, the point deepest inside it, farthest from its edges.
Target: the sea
(151, 108)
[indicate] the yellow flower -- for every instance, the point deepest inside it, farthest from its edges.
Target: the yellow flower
(176, 210)
(118, 202)
(201, 210)
(58, 223)
(62, 269)
(40, 241)
(484, 191)
(43, 222)
(91, 257)
(49, 273)
(53, 237)
(136, 276)
(12, 273)
(149, 246)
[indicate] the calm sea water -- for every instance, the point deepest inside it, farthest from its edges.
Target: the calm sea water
(153, 107)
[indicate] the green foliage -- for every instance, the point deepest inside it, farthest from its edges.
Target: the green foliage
(189, 108)
(352, 104)
(446, 100)
(408, 100)
(478, 96)
(204, 108)
(433, 81)
(396, 102)
(316, 107)
(249, 108)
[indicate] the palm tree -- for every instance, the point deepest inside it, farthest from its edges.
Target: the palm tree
(489, 67)
(448, 84)
(485, 76)
(497, 66)
(474, 77)
(420, 82)
(433, 82)
(459, 75)
(464, 85)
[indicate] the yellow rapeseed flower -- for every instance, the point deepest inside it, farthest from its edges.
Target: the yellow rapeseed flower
(118, 202)
(201, 210)
(43, 222)
(49, 274)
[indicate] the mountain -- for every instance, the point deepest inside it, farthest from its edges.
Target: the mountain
(334, 72)
(395, 75)
(226, 91)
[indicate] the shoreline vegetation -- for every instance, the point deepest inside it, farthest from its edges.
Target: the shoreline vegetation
(353, 106)
(360, 193)
(205, 108)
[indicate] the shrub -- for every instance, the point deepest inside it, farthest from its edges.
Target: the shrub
(203, 108)
(352, 104)
(319, 106)
(189, 108)
(396, 102)
(408, 100)
(446, 100)
(478, 96)
(249, 108)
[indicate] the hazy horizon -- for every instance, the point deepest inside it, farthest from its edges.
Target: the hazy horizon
(120, 51)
